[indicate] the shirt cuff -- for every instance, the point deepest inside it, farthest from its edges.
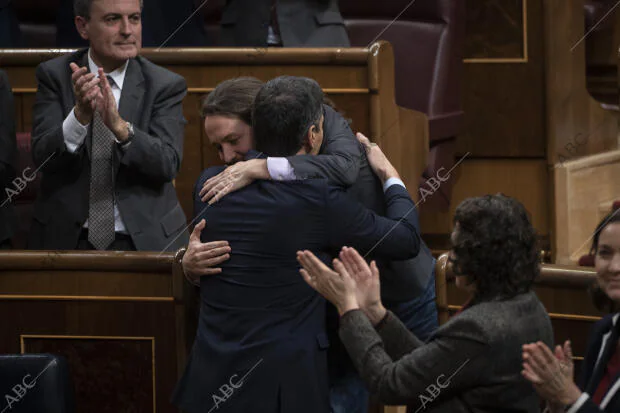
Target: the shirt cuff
(393, 181)
(577, 405)
(122, 145)
(73, 132)
(280, 169)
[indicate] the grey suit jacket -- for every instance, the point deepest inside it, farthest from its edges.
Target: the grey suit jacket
(152, 100)
(302, 23)
(472, 364)
(8, 154)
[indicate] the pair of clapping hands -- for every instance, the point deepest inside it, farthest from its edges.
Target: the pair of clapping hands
(351, 285)
(92, 94)
(551, 373)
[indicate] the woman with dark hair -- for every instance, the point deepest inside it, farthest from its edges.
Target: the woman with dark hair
(599, 387)
(472, 363)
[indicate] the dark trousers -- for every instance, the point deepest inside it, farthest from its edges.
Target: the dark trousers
(6, 244)
(122, 242)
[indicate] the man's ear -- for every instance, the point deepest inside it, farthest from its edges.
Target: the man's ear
(308, 141)
(80, 25)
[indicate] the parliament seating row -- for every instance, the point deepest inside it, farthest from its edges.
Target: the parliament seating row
(428, 41)
(359, 81)
(125, 321)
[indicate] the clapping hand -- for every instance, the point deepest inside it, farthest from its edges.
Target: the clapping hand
(368, 290)
(107, 108)
(87, 93)
(551, 374)
(337, 287)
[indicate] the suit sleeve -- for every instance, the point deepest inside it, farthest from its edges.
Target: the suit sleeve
(49, 151)
(157, 153)
(7, 131)
(452, 362)
(585, 404)
(393, 237)
(339, 159)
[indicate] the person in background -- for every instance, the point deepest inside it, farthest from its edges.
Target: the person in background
(8, 153)
(165, 23)
(473, 362)
(551, 372)
(108, 137)
(288, 23)
(10, 35)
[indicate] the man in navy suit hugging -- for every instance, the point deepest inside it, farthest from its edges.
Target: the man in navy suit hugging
(261, 342)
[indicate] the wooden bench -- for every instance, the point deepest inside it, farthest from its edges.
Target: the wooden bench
(124, 321)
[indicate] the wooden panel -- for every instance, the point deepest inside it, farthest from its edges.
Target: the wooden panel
(525, 180)
(582, 187)
(101, 284)
(506, 20)
(126, 350)
(570, 108)
(503, 99)
(105, 381)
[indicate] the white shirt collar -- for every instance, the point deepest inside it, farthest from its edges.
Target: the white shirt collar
(118, 75)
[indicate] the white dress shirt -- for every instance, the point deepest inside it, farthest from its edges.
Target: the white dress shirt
(75, 133)
(280, 169)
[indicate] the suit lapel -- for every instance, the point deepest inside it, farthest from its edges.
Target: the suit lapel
(608, 346)
(130, 103)
(132, 93)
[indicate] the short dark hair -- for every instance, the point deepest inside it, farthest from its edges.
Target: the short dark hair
(284, 109)
(82, 7)
(599, 298)
(496, 247)
(232, 98)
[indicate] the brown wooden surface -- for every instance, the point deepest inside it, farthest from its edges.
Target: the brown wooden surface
(562, 289)
(526, 103)
(120, 319)
(360, 82)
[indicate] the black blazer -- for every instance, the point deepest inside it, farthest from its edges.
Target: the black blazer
(602, 344)
(344, 163)
(258, 318)
(8, 153)
(10, 35)
(152, 100)
(302, 23)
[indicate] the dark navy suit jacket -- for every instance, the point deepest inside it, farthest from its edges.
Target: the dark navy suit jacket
(261, 327)
(603, 342)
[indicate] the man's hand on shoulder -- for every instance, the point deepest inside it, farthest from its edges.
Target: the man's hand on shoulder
(233, 178)
(201, 258)
(379, 163)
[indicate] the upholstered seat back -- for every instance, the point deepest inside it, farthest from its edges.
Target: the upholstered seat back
(35, 383)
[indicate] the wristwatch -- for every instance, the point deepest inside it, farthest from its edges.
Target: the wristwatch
(130, 133)
(178, 257)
